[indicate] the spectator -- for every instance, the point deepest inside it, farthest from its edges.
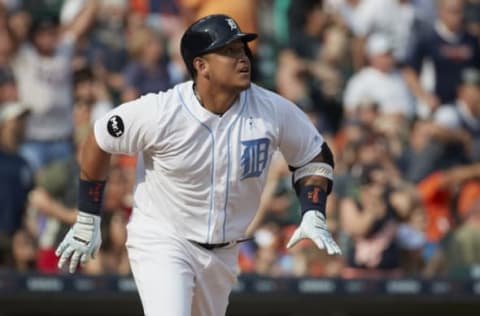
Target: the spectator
(108, 45)
(460, 123)
(16, 178)
(307, 22)
(147, 72)
(438, 193)
(417, 159)
(451, 138)
(371, 222)
(458, 250)
(310, 69)
(455, 245)
(394, 18)
(450, 49)
(380, 82)
(91, 94)
(411, 231)
(45, 83)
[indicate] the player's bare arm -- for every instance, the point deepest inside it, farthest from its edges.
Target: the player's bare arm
(94, 162)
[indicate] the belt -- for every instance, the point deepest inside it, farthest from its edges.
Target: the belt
(221, 245)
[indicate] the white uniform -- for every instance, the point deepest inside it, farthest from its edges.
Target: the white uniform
(204, 175)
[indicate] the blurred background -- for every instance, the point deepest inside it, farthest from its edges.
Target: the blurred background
(393, 85)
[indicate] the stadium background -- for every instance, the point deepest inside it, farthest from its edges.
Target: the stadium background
(393, 85)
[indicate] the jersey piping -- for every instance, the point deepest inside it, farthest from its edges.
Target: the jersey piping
(212, 168)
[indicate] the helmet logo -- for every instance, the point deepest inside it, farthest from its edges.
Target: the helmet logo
(232, 24)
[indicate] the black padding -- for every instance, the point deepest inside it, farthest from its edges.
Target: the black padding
(327, 155)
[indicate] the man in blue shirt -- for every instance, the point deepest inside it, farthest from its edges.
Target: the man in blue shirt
(450, 49)
(16, 178)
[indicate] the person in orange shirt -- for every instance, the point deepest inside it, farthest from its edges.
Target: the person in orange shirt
(438, 191)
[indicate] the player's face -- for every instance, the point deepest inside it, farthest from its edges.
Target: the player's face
(230, 66)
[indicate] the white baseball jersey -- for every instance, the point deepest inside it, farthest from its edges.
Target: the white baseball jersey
(204, 173)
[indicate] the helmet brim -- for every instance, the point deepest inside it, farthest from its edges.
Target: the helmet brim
(244, 37)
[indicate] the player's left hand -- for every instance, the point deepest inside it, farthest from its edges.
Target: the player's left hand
(81, 242)
(313, 227)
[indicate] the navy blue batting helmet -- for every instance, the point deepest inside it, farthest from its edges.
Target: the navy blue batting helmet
(209, 33)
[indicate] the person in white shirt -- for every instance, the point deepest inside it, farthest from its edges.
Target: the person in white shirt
(43, 72)
(380, 82)
(206, 146)
(394, 18)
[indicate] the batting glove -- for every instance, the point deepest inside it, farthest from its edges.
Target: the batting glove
(81, 242)
(313, 227)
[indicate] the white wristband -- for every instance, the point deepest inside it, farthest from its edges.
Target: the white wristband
(313, 169)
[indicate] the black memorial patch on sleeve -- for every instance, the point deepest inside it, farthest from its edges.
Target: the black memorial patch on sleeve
(115, 126)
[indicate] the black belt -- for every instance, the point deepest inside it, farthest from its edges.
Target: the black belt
(221, 245)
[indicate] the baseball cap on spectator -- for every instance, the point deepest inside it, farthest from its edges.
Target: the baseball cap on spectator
(378, 44)
(43, 23)
(11, 110)
(471, 76)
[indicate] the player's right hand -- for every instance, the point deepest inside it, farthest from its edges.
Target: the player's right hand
(81, 242)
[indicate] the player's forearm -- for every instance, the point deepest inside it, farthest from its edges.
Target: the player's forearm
(94, 162)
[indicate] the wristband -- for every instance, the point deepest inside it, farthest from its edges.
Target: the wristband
(312, 198)
(90, 196)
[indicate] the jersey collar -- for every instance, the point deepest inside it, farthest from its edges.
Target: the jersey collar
(187, 96)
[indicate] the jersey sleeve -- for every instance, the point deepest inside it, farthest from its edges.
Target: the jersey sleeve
(131, 127)
(299, 140)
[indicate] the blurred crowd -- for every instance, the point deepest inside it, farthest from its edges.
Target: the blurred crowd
(393, 85)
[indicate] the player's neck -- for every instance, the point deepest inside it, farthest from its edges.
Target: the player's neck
(213, 100)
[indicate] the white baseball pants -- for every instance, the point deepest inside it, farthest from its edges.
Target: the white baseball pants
(175, 277)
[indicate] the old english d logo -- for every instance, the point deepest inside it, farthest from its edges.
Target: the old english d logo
(254, 157)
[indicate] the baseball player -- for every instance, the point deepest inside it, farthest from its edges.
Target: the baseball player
(206, 146)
